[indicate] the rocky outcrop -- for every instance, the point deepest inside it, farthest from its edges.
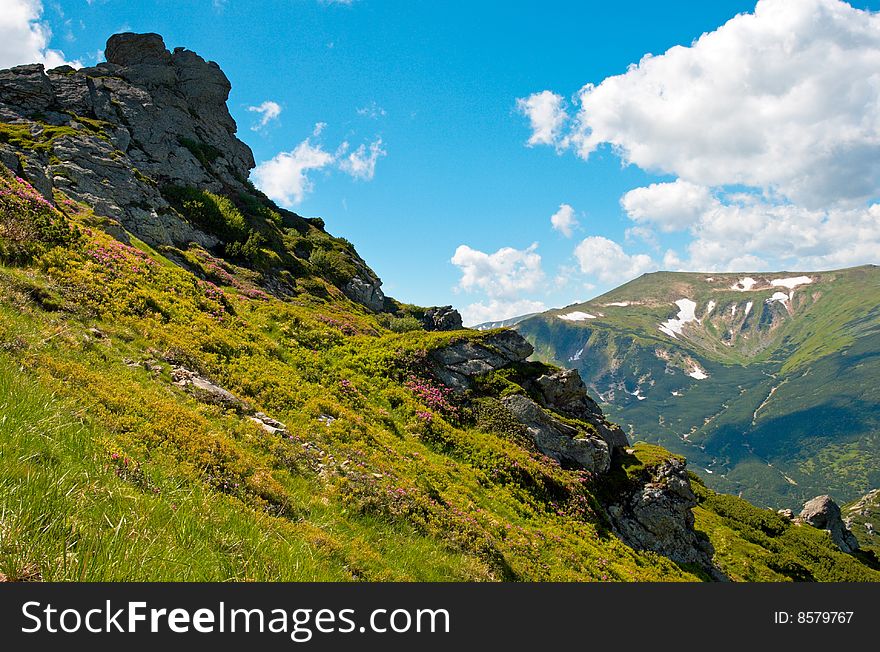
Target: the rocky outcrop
(442, 318)
(655, 514)
(459, 363)
(565, 393)
(823, 513)
(570, 445)
(111, 135)
(114, 135)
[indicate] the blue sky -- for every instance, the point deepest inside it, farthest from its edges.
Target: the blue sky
(433, 89)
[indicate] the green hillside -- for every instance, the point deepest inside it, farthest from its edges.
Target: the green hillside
(774, 399)
(196, 384)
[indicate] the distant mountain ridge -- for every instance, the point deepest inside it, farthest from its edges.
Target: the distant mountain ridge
(765, 380)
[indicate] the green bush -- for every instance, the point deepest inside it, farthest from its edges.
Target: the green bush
(213, 213)
(29, 225)
(332, 265)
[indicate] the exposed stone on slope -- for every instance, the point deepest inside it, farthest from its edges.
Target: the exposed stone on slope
(122, 130)
(656, 515)
(442, 318)
(161, 119)
(206, 390)
(459, 363)
(568, 444)
(823, 513)
(566, 393)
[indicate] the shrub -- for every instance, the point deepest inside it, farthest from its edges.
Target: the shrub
(213, 213)
(29, 224)
(332, 265)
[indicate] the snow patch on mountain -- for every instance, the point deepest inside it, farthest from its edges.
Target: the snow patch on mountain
(781, 297)
(686, 313)
(792, 282)
(577, 315)
(744, 284)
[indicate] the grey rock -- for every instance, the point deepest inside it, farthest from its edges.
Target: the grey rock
(129, 49)
(366, 292)
(656, 515)
(823, 513)
(270, 425)
(459, 363)
(566, 393)
(157, 106)
(567, 444)
(442, 318)
(26, 87)
(205, 390)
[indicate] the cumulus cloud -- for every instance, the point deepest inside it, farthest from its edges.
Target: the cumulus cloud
(546, 114)
(24, 37)
(769, 125)
(499, 310)
(268, 111)
(507, 273)
(785, 98)
(606, 260)
(668, 206)
(284, 177)
(564, 220)
(361, 163)
(753, 234)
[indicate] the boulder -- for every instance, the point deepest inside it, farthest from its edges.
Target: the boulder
(457, 364)
(442, 318)
(130, 49)
(823, 513)
(565, 393)
(655, 514)
(569, 445)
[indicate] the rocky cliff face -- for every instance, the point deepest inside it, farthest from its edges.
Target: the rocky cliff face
(117, 135)
(113, 134)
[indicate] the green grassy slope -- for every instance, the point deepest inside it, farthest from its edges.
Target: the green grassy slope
(111, 470)
(789, 407)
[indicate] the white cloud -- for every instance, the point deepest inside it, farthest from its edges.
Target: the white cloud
(606, 260)
(372, 111)
(24, 37)
(564, 220)
(267, 111)
(785, 98)
(770, 126)
(498, 310)
(546, 114)
(757, 235)
(669, 206)
(360, 164)
(507, 273)
(284, 177)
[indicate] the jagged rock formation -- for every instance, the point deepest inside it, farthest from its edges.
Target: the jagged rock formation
(566, 393)
(566, 443)
(656, 515)
(145, 118)
(458, 364)
(442, 318)
(823, 513)
(116, 135)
